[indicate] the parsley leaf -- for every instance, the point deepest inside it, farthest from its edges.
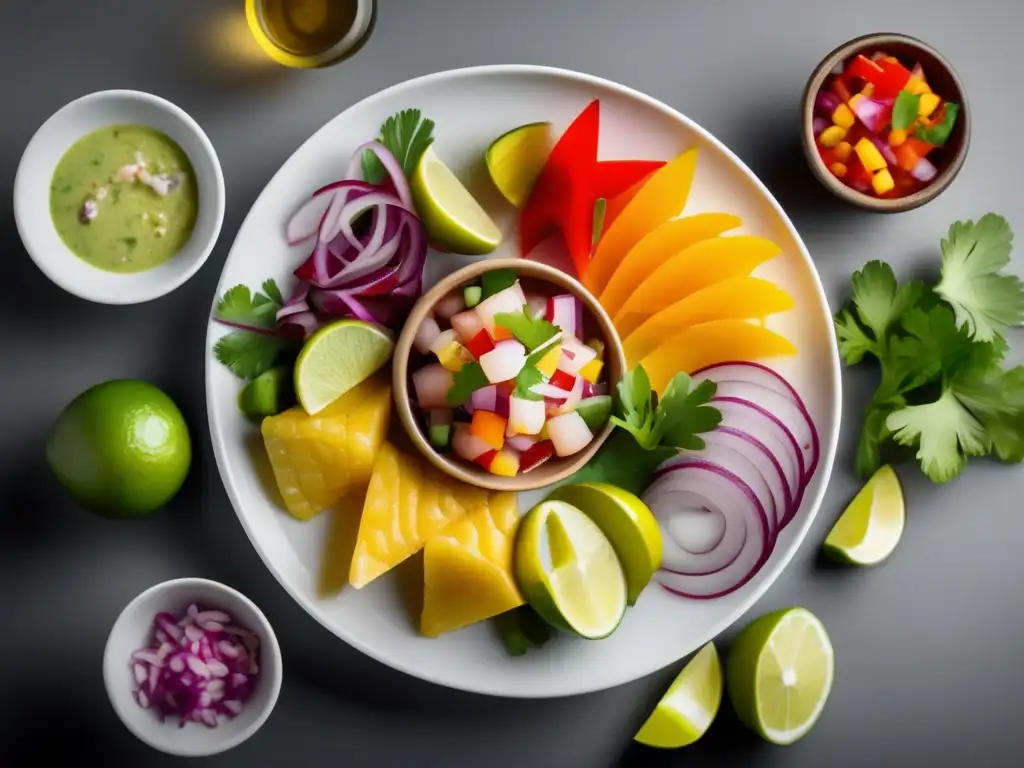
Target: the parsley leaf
(407, 135)
(253, 349)
(526, 378)
(635, 406)
(531, 331)
(465, 381)
(938, 135)
(972, 257)
(496, 280)
(624, 463)
(684, 413)
(904, 110)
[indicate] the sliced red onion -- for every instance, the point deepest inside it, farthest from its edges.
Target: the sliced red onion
(305, 222)
(566, 312)
(884, 148)
(924, 170)
(450, 305)
(825, 103)
(705, 489)
(466, 445)
(522, 442)
(209, 664)
(426, 334)
(485, 399)
(819, 124)
(589, 390)
(870, 112)
(391, 165)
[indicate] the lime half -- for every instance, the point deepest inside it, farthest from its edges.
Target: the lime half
(689, 706)
(626, 522)
(338, 357)
(454, 220)
(516, 158)
(870, 528)
(568, 571)
(779, 674)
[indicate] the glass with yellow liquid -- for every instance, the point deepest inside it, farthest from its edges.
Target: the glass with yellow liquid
(310, 33)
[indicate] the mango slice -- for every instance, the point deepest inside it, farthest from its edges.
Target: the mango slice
(663, 197)
(702, 264)
(736, 298)
(705, 344)
(407, 502)
(656, 247)
(467, 569)
(318, 459)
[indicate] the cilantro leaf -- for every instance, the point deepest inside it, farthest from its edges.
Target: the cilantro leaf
(531, 331)
(972, 257)
(496, 280)
(854, 341)
(407, 135)
(248, 354)
(521, 629)
(944, 432)
(624, 463)
(904, 110)
(684, 413)
(996, 399)
(879, 300)
(938, 135)
(240, 307)
(635, 406)
(465, 381)
(273, 292)
(872, 435)
(526, 378)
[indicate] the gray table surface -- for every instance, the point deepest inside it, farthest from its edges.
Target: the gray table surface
(927, 645)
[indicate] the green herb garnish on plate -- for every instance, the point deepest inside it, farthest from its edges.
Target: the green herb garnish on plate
(253, 348)
(407, 135)
(532, 331)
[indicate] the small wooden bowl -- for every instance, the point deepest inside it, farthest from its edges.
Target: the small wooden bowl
(944, 81)
(554, 469)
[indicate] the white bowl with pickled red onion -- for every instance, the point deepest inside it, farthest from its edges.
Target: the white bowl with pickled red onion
(192, 667)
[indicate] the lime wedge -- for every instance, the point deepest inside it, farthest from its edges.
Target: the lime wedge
(568, 571)
(689, 706)
(626, 522)
(779, 674)
(516, 158)
(870, 528)
(338, 357)
(454, 220)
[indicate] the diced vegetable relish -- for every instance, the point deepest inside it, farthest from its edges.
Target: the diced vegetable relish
(880, 128)
(508, 379)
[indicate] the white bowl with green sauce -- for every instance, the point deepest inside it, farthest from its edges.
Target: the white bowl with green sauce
(119, 197)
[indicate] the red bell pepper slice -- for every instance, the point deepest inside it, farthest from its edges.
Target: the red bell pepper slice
(563, 197)
(536, 455)
(480, 344)
(894, 78)
(864, 68)
(563, 380)
(616, 176)
(485, 459)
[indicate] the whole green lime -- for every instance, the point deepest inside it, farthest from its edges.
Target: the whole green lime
(120, 448)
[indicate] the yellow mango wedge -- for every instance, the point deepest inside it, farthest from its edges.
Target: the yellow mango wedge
(737, 298)
(702, 264)
(318, 459)
(708, 343)
(407, 502)
(656, 247)
(467, 569)
(663, 197)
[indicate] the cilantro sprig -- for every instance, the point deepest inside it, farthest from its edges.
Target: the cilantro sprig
(532, 331)
(253, 348)
(651, 429)
(943, 390)
(407, 135)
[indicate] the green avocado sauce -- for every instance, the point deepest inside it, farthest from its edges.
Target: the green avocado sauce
(106, 201)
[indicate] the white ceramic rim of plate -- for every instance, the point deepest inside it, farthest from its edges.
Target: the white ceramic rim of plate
(185, 743)
(74, 274)
(827, 450)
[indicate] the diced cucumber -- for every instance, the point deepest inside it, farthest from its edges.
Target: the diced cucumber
(497, 280)
(595, 411)
(472, 295)
(268, 394)
(440, 436)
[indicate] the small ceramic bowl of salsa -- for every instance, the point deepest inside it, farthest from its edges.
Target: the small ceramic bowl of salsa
(886, 124)
(119, 197)
(504, 372)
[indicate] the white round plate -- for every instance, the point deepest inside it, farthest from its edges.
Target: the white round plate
(470, 108)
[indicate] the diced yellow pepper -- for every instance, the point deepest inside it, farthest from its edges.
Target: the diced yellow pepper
(592, 370)
(839, 169)
(869, 155)
(843, 151)
(917, 86)
(927, 105)
(843, 117)
(832, 136)
(505, 463)
(891, 59)
(856, 99)
(868, 90)
(549, 362)
(882, 182)
(454, 356)
(897, 136)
